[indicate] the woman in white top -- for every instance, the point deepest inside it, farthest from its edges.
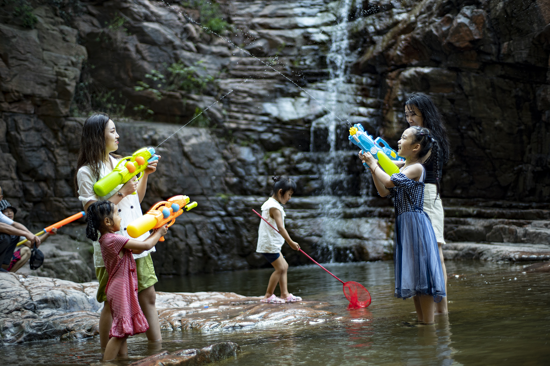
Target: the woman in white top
(270, 242)
(96, 159)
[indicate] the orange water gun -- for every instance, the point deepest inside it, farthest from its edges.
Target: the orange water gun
(57, 225)
(162, 213)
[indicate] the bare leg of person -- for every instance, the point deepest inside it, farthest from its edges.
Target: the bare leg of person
(441, 307)
(113, 348)
(123, 351)
(427, 305)
(147, 299)
(283, 266)
(25, 256)
(418, 309)
(105, 322)
(280, 266)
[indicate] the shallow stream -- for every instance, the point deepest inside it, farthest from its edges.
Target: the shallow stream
(498, 316)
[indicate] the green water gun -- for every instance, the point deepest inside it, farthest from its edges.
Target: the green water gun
(126, 169)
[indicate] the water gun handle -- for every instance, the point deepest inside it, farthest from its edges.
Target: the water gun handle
(153, 158)
(390, 153)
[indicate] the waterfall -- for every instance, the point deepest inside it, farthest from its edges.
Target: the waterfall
(338, 60)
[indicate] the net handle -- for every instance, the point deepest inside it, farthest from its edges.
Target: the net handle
(304, 253)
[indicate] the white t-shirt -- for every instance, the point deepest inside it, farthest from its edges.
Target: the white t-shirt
(270, 241)
(5, 220)
(129, 207)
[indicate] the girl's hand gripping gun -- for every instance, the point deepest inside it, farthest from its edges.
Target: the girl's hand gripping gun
(359, 137)
(125, 170)
(162, 213)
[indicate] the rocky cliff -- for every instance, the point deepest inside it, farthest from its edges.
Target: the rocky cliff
(270, 94)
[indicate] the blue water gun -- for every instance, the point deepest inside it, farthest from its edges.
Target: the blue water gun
(390, 153)
(364, 141)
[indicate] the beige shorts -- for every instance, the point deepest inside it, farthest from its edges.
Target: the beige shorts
(145, 273)
(434, 208)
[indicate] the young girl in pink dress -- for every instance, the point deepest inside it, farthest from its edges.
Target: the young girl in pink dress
(122, 288)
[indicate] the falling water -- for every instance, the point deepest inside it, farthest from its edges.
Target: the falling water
(338, 60)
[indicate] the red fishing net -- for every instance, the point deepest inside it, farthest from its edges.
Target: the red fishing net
(357, 295)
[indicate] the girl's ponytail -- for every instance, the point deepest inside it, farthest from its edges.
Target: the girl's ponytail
(435, 151)
(427, 142)
(97, 212)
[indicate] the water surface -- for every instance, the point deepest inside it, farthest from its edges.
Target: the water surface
(498, 316)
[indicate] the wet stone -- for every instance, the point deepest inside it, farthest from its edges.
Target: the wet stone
(37, 308)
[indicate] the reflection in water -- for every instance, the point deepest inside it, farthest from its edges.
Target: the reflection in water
(484, 326)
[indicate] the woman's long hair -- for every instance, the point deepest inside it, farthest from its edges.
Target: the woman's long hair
(433, 121)
(92, 144)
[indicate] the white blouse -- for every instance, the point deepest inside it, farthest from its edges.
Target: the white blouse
(270, 241)
(129, 207)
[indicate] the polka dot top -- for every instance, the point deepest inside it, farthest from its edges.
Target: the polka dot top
(408, 194)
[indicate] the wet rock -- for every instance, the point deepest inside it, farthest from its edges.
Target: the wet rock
(497, 252)
(214, 353)
(538, 267)
(34, 308)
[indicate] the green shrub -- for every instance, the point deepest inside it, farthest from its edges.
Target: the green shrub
(201, 119)
(210, 14)
(144, 86)
(25, 14)
(187, 78)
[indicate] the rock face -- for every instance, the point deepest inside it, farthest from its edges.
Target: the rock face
(284, 85)
(34, 308)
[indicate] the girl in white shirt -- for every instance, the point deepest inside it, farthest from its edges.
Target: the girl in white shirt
(97, 159)
(270, 242)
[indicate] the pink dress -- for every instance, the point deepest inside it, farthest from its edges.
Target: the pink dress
(122, 288)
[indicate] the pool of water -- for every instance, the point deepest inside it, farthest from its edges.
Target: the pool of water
(498, 316)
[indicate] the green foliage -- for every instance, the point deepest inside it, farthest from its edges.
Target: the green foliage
(187, 78)
(89, 97)
(224, 197)
(25, 15)
(107, 101)
(201, 119)
(144, 86)
(117, 23)
(247, 142)
(210, 14)
(268, 154)
(142, 110)
(67, 9)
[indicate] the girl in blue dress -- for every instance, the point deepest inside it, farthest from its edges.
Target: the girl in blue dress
(418, 270)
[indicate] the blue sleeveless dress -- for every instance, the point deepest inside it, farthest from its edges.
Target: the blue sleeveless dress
(418, 268)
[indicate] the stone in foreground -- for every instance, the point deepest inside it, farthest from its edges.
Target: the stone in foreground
(195, 357)
(36, 308)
